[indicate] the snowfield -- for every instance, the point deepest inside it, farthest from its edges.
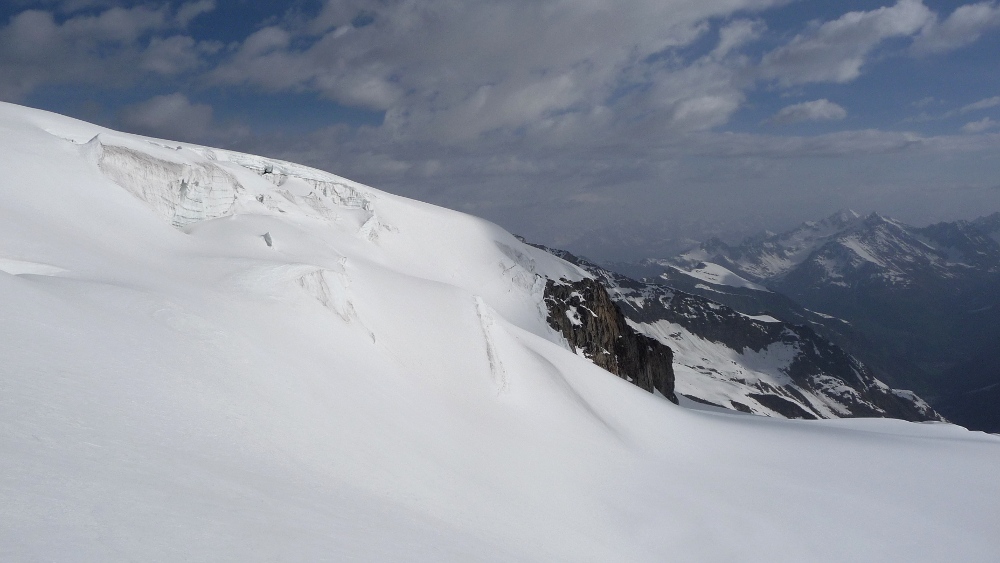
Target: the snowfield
(207, 356)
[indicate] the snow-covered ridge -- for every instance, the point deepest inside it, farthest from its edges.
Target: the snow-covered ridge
(185, 184)
(189, 184)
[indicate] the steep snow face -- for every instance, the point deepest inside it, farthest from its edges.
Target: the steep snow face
(188, 186)
(375, 380)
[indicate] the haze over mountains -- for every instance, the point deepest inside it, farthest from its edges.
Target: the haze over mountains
(919, 305)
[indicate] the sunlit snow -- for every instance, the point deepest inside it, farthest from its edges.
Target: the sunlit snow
(379, 383)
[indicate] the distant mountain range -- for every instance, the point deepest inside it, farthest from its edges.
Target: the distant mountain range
(919, 305)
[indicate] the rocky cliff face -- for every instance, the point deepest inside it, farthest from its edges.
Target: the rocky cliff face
(593, 325)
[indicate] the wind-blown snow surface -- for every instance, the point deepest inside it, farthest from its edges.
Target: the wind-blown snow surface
(379, 384)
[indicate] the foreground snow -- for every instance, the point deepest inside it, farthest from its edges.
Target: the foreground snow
(379, 384)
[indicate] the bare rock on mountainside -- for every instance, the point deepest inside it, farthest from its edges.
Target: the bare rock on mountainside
(586, 315)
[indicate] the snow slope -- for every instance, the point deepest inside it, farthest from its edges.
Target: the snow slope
(716, 275)
(374, 380)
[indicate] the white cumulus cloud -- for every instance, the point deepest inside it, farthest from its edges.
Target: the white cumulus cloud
(174, 116)
(981, 104)
(737, 34)
(964, 26)
(166, 114)
(443, 69)
(836, 50)
(816, 110)
(107, 47)
(980, 126)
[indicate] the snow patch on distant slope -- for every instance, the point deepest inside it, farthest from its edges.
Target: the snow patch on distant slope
(911, 396)
(857, 247)
(720, 375)
(761, 318)
(718, 275)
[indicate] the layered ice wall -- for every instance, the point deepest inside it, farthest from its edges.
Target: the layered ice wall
(182, 193)
(186, 185)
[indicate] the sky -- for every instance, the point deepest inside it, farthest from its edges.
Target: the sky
(618, 129)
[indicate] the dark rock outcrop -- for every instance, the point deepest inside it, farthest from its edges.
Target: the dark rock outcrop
(782, 406)
(585, 315)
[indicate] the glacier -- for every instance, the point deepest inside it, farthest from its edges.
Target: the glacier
(379, 383)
